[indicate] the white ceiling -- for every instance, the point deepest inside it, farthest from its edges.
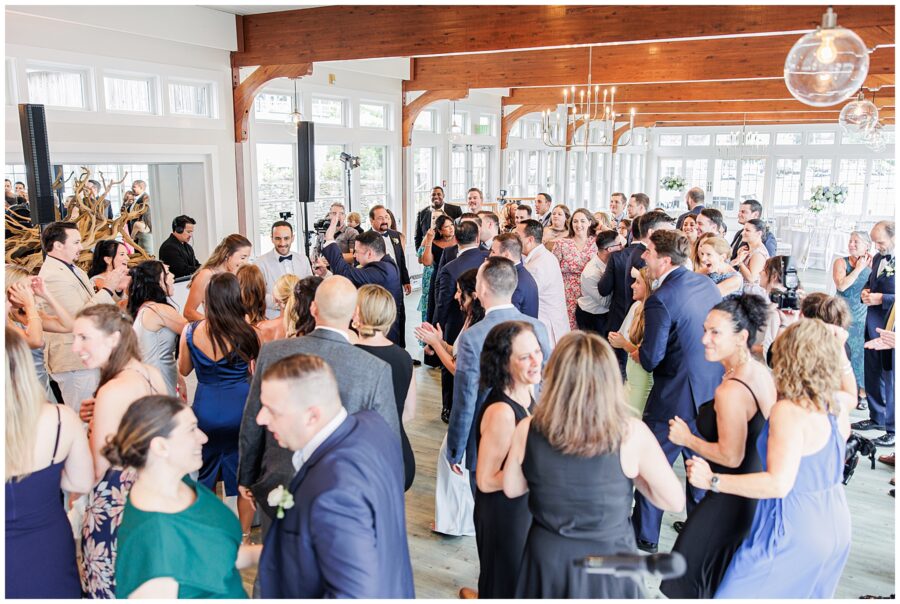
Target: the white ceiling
(255, 9)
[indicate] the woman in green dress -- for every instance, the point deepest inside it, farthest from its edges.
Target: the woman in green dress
(638, 382)
(177, 539)
(850, 275)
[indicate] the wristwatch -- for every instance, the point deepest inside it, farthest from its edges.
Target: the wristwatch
(714, 483)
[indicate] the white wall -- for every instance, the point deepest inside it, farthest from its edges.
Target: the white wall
(163, 42)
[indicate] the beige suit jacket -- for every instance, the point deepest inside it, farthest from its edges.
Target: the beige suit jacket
(73, 293)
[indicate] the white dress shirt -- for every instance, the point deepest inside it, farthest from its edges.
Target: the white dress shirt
(302, 456)
(273, 269)
(591, 301)
(552, 312)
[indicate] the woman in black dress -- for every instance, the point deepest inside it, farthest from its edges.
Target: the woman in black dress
(729, 427)
(510, 367)
(577, 459)
(375, 314)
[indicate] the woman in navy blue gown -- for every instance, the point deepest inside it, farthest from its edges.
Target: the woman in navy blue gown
(221, 349)
(46, 450)
(799, 542)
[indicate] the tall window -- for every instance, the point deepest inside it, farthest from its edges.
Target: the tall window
(57, 87)
(485, 125)
(668, 167)
(724, 184)
(328, 111)
(132, 95)
(190, 99)
(272, 106)
(330, 179)
(480, 167)
(696, 172)
(423, 175)
(458, 173)
(853, 174)
(275, 185)
(787, 183)
(882, 200)
(753, 176)
(373, 115)
(426, 121)
(818, 172)
(373, 178)
(512, 173)
(532, 170)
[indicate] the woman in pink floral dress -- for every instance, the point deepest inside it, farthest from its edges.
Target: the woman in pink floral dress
(573, 253)
(105, 340)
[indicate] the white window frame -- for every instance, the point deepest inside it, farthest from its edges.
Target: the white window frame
(87, 83)
(271, 92)
(211, 93)
(435, 122)
(345, 106)
(153, 91)
(387, 114)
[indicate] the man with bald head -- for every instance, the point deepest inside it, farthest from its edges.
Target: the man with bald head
(364, 382)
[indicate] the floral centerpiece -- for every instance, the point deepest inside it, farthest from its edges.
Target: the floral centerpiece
(672, 183)
(825, 197)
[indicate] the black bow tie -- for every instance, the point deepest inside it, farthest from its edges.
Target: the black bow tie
(289, 257)
(385, 234)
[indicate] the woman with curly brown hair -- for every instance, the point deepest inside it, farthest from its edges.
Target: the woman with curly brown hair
(800, 539)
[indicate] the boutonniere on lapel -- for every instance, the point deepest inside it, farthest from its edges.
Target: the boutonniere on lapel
(888, 269)
(281, 498)
(395, 240)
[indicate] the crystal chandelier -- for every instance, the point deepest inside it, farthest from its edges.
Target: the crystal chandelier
(743, 142)
(587, 110)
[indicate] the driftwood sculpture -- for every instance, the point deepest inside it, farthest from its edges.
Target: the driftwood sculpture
(23, 245)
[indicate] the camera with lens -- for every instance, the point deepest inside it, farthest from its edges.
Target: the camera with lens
(322, 224)
(786, 297)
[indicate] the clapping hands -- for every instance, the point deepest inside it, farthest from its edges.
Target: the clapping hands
(431, 335)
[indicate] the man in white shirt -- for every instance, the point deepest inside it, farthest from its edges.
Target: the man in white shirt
(542, 208)
(281, 260)
(591, 309)
(544, 267)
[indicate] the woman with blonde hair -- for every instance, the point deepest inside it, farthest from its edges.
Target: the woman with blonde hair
(714, 261)
(24, 316)
(638, 380)
(375, 313)
(604, 222)
(46, 451)
(232, 253)
(253, 292)
(850, 275)
(799, 542)
(558, 228)
(283, 294)
(105, 340)
(579, 459)
(573, 253)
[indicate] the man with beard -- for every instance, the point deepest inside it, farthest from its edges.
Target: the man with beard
(281, 260)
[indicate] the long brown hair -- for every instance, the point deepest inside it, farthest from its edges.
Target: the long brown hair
(253, 292)
(582, 409)
(226, 248)
(228, 331)
(592, 222)
(110, 319)
(301, 321)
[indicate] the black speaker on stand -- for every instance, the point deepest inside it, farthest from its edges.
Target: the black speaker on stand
(38, 170)
(306, 174)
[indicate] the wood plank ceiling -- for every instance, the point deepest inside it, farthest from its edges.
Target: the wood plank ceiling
(676, 65)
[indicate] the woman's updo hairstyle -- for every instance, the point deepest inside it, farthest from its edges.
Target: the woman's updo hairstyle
(146, 418)
(759, 226)
(748, 312)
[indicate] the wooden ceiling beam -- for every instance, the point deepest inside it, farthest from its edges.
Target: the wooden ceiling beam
(243, 93)
(722, 90)
(412, 110)
(515, 115)
(717, 59)
(334, 33)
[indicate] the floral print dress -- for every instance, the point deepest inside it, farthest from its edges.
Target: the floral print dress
(572, 262)
(99, 532)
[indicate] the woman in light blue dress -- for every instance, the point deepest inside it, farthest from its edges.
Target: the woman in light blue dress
(800, 539)
(850, 274)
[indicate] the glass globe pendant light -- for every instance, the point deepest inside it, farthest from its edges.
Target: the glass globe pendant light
(455, 131)
(827, 66)
(295, 117)
(858, 115)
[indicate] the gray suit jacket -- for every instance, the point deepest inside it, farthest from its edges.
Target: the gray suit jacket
(364, 382)
(272, 270)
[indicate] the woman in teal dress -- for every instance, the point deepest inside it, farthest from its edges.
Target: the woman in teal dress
(177, 540)
(850, 274)
(437, 239)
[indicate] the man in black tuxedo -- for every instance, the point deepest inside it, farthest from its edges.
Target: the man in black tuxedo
(878, 295)
(447, 313)
(424, 217)
(395, 248)
(375, 267)
(526, 296)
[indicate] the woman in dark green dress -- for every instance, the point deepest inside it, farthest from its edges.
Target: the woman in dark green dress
(177, 540)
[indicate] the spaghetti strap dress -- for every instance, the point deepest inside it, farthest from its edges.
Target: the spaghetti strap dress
(787, 554)
(501, 523)
(720, 522)
(40, 551)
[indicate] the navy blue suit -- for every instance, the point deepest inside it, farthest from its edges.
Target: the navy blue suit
(345, 537)
(879, 364)
(616, 281)
(525, 298)
(384, 272)
(682, 377)
(446, 310)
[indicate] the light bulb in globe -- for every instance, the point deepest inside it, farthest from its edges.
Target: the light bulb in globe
(455, 133)
(827, 66)
(858, 115)
(293, 122)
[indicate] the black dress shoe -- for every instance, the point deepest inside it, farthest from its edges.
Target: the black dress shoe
(866, 424)
(885, 440)
(862, 405)
(416, 362)
(646, 546)
(445, 416)
(678, 525)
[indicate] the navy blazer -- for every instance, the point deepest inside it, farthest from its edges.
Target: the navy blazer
(393, 239)
(446, 310)
(616, 281)
(636, 261)
(383, 272)
(672, 349)
(345, 536)
(526, 296)
(876, 316)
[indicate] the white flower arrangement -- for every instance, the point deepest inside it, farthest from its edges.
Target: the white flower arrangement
(672, 183)
(824, 197)
(281, 498)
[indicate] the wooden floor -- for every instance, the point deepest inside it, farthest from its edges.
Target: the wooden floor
(441, 565)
